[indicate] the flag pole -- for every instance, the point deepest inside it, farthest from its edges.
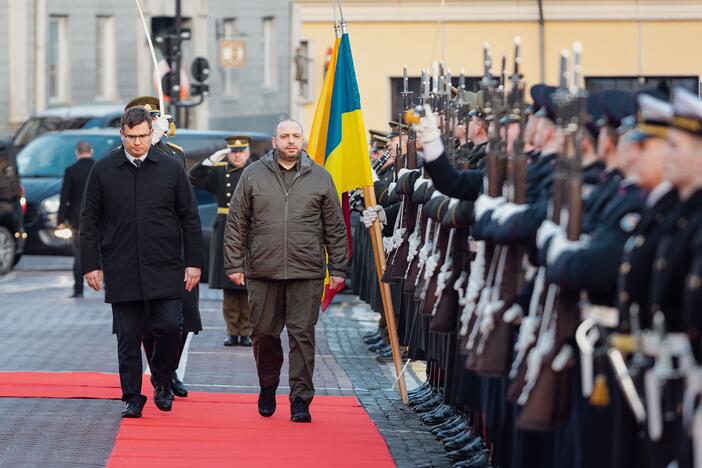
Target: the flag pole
(379, 257)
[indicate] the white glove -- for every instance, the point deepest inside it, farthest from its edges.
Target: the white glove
(503, 212)
(484, 204)
(216, 157)
(428, 128)
(159, 126)
(559, 245)
(547, 230)
(514, 314)
(391, 187)
(404, 171)
(369, 216)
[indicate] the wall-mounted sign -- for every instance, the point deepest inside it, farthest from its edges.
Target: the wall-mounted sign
(232, 53)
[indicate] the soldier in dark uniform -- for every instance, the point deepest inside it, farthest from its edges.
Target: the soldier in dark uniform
(478, 133)
(219, 175)
(162, 129)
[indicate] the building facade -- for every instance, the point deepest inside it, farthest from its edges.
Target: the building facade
(69, 52)
(624, 42)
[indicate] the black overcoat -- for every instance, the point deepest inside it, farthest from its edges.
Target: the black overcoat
(140, 222)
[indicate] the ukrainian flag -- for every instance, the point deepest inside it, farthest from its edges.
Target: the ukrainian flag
(338, 135)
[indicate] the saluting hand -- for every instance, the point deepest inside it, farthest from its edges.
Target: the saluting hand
(94, 279)
(237, 278)
(192, 277)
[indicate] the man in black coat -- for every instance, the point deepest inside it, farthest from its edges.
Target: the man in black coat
(138, 218)
(74, 179)
(162, 128)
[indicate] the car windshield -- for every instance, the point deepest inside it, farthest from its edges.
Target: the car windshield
(37, 126)
(50, 155)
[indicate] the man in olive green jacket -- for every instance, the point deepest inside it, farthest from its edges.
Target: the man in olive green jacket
(284, 224)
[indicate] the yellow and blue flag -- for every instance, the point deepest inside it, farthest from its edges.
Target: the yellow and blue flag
(338, 135)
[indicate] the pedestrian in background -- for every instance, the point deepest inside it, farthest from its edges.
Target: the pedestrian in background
(74, 180)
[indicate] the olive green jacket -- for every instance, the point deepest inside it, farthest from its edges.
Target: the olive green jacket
(272, 234)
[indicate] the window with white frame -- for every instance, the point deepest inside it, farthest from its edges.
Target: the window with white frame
(58, 60)
(269, 59)
(105, 73)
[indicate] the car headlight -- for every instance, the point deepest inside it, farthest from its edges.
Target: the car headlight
(51, 205)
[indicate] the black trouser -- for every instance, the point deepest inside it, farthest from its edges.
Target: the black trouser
(77, 273)
(165, 319)
(148, 342)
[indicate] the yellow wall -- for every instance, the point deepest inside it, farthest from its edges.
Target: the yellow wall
(610, 49)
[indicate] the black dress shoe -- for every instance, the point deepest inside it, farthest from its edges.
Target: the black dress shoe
(425, 387)
(371, 337)
(133, 408)
(448, 424)
(438, 416)
(462, 440)
(163, 397)
(231, 341)
(76, 295)
(266, 401)
(414, 399)
(299, 411)
(431, 404)
(385, 355)
(245, 341)
(371, 334)
(177, 387)
(430, 397)
(454, 431)
(479, 460)
(373, 341)
(467, 452)
(378, 346)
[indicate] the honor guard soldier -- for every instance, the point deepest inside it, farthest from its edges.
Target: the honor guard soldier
(219, 175)
(162, 128)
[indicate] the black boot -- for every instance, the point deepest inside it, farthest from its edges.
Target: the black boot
(449, 423)
(177, 387)
(231, 341)
(300, 411)
(163, 397)
(266, 401)
(245, 341)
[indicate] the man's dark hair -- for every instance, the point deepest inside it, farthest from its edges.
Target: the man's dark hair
(135, 116)
(83, 147)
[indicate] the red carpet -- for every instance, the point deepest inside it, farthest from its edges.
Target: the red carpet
(221, 429)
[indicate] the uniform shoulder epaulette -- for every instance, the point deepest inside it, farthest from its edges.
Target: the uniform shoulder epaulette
(173, 145)
(220, 164)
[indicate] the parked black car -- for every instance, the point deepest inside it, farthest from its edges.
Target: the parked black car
(42, 163)
(12, 204)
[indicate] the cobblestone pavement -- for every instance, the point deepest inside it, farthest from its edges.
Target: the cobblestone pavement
(41, 329)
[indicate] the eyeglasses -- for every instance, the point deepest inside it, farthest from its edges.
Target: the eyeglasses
(135, 138)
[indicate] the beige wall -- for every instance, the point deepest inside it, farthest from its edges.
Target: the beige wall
(670, 47)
